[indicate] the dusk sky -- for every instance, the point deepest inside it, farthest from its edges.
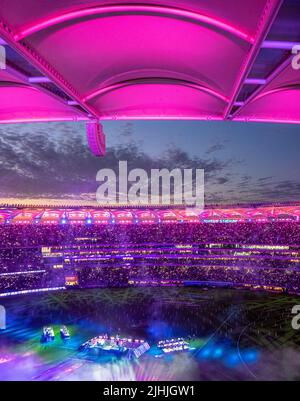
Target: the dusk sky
(243, 162)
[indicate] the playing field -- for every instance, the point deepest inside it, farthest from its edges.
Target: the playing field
(234, 335)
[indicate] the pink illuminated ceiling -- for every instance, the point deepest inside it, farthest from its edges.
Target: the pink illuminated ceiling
(189, 59)
(22, 102)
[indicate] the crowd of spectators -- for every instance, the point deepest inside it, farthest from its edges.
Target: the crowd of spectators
(243, 233)
(258, 254)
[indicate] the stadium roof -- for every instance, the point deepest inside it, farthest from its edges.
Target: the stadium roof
(185, 59)
(89, 215)
(47, 203)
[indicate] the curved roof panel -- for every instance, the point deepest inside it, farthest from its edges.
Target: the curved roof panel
(20, 101)
(278, 100)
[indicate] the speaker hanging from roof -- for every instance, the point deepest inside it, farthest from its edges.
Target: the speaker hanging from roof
(96, 138)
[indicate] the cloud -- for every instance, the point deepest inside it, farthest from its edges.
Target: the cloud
(41, 163)
(53, 161)
(216, 147)
(222, 180)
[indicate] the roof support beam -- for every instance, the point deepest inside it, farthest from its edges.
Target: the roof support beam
(279, 45)
(39, 80)
(254, 81)
(72, 103)
(238, 104)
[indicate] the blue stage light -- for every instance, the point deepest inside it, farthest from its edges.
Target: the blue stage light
(250, 356)
(218, 352)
